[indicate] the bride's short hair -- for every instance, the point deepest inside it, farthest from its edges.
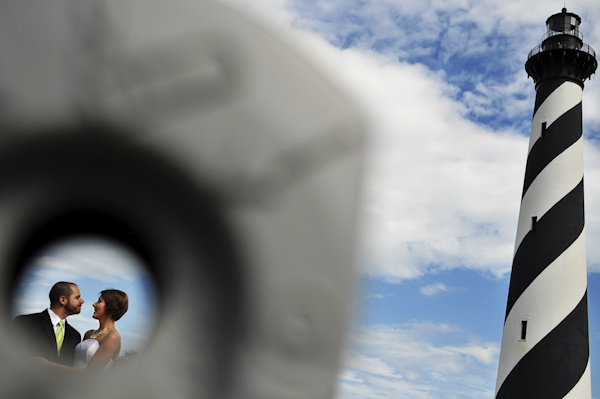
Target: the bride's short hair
(116, 302)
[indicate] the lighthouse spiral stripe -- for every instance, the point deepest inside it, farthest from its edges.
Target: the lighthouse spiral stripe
(548, 287)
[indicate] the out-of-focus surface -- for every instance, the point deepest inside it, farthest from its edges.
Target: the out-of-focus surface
(232, 161)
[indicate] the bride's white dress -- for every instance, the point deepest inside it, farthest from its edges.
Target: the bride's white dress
(85, 351)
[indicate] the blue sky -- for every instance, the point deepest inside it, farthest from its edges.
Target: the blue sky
(448, 105)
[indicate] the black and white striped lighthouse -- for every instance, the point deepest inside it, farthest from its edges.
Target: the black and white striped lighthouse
(545, 345)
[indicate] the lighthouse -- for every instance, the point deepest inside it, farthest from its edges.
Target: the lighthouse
(545, 345)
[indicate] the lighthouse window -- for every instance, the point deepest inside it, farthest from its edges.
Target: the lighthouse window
(533, 223)
(543, 129)
(523, 330)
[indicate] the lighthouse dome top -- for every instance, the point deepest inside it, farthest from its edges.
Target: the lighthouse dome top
(562, 54)
(564, 23)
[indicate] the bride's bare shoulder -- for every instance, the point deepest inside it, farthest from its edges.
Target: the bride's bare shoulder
(115, 334)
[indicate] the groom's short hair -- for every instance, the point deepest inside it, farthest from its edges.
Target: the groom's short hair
(62, 288)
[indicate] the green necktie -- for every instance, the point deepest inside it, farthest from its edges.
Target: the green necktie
(60, 336)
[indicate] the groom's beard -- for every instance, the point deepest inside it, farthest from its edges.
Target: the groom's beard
(72, 309)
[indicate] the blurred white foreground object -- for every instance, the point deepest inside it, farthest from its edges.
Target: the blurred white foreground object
(233, 164)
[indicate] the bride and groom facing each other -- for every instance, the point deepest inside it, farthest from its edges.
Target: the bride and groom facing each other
(56, 343)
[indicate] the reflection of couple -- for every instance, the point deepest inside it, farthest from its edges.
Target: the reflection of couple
(54, 340)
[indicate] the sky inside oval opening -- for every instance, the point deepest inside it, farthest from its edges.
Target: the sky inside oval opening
(94, 263)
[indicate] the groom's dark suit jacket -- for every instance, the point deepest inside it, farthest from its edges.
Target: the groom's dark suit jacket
(37, 327)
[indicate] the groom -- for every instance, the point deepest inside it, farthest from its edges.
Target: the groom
(50, 335)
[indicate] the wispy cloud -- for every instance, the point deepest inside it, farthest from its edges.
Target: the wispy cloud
(434, 289)
(483, 353)
(83, 322)
(88, 257)
(452, 36)
(374, 296)
(385, 360)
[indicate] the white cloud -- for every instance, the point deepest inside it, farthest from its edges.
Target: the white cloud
(592, 205)
(350, 376)
(442, 189)
(484, 354)
(374, 366)
(83, 323)
(385, 360)
(88, 257)
(434, 289)
(29, 305)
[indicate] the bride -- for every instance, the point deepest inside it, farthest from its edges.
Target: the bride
(101, 347)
